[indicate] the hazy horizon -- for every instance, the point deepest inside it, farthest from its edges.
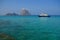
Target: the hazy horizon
(52, 7)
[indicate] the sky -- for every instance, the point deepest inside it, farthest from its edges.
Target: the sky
(35, 7)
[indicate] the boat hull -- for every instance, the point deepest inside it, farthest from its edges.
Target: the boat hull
(43, 16)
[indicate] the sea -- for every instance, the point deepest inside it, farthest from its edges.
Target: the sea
(30, 27)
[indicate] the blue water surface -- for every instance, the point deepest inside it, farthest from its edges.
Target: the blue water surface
(31, 27)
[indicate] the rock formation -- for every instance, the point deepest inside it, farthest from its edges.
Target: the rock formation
(24, 12)
(11, 14)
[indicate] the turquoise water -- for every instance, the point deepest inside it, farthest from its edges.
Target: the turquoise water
(31, 27)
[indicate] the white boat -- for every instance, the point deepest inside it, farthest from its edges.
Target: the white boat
(44, 15)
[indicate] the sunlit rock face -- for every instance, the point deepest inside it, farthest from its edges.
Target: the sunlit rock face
(24, 12)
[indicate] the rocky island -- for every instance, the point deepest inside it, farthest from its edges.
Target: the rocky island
(25, 12)
(11, 14)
